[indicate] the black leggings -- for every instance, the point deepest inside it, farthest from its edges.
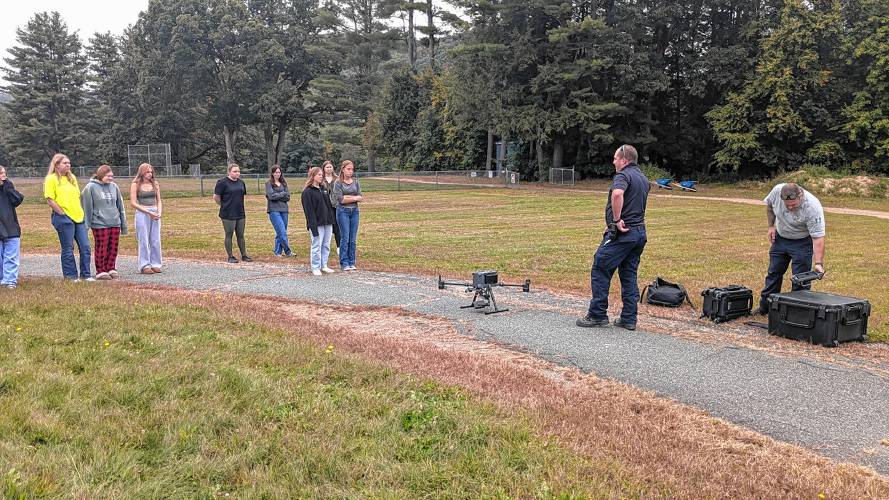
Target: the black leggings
(236, 227)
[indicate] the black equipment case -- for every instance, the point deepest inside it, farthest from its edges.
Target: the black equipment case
(727, 303)
(817, 317)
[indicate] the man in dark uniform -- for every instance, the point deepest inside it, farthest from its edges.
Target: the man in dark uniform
(622, 243)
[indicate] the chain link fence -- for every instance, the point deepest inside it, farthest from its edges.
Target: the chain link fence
(30, 180)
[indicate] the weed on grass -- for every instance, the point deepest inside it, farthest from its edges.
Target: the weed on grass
(109, 395)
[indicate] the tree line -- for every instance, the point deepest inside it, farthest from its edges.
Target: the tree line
(736, 88)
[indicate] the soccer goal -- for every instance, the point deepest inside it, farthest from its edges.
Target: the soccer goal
(561, 176)
(157, 155)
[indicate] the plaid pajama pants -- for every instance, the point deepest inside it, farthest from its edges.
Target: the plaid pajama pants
(105, 249)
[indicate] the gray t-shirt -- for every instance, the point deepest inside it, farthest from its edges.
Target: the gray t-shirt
(341, 189)
(806, 220)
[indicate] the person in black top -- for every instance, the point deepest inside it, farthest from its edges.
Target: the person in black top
(319, 220)
(10, 231)
(229, 195)
(622, 244)
(278, 196)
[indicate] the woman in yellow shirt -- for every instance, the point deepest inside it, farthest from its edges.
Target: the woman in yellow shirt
(63, 195)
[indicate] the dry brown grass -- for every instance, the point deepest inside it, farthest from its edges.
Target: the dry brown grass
(658, 440)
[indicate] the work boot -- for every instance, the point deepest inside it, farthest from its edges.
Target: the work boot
(620, 324)
(589, 322)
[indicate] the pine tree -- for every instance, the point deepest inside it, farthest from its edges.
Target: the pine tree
(867, 116)
(103, 91)
(46, 74)
(787, 114)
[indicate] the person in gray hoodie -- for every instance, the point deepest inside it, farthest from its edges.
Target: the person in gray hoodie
(103, 213)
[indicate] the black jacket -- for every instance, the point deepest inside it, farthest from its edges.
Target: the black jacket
(9, 221)
(316, 207)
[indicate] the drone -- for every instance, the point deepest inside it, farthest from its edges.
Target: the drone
(482, 284)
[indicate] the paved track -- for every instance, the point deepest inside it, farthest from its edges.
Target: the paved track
(838, 411)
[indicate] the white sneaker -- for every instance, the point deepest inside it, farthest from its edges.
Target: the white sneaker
(89, 279)
(327, 270)
(316, 272)
(103, 276)
(113, 273)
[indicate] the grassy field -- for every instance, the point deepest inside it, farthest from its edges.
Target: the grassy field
(546, 235)
(752, 190)
(113, 395)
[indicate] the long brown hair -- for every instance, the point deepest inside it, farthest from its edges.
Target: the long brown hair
(140, 176)
(101, 172)
(54, 163)
(343, 166)
(312, 172)
(272, 175)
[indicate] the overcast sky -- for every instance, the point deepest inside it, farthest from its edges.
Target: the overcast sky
(85, 16)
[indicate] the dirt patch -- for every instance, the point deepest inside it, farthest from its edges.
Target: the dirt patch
(659, 440)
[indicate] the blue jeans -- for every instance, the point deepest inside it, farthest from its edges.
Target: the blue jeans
(69, 232)
(320, 250)
(9, 250)
(783, 252)
(622, 254)
(347, 219)
(279, 222)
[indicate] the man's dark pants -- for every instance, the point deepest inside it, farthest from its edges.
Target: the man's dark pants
(623, 255)
(783, 252)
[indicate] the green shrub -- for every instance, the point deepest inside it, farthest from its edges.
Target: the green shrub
(653, 171)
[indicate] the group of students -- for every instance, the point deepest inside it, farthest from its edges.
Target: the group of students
(330, 205)
(329, 201)
(100, 208)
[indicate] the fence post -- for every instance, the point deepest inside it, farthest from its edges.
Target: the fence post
(436, 179)
(202, 185)
(258, 189)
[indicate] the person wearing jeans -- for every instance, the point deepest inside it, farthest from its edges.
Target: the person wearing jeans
(278, 196)
(145, 198)
(10, 232)
(329, 180)
(347, 218)
(63, 196)
(319, 220)
(347, 192)
(796, 233)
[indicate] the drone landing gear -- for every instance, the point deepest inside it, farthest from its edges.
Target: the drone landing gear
(483, 298)
(482, 284)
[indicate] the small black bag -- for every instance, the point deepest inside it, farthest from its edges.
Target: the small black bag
(727, 303)
(663, 293)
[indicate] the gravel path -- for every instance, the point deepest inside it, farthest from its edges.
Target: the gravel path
(839, 411)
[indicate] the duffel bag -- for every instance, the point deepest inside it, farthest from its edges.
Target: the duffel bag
(663, 293)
